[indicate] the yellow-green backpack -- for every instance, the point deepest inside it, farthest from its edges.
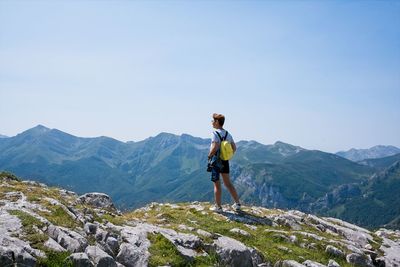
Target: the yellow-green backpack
(225, 148)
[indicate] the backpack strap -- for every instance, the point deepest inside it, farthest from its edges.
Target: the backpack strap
(226, 135)
(220, 138)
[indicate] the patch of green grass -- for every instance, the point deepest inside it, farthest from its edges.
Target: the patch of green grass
(87, 210)
(377, 244)
(55, 259)
(4, 175)
(27, 220)
(6, 188)
(206, 261)
(91, 240)
(35, 238)
(60, 217)
(33, 198)
(117, 220)
(163, 252)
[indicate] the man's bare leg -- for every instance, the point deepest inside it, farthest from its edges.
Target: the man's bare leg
(217, 192)
(228, 184)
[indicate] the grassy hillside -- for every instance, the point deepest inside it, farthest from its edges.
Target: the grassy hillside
(275, 234)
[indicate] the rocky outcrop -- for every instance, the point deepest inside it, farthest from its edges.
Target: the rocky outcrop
(390, 246)
(235, 253)
(97, 200)
(96, 234)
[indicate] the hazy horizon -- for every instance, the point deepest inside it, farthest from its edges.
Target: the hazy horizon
(317, 74)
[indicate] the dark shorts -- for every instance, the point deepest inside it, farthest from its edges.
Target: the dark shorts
(225, 166)
(225, 169)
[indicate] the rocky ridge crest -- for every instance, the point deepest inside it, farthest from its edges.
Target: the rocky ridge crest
(47, 226)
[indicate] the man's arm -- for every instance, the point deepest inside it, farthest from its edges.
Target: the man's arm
(213, 149)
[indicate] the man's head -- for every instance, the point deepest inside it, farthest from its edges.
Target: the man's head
(218, 118)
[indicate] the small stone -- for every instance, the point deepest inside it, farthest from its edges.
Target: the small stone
(333, 263)
(90, 228)
(293, 239)
(239, 231)
(204, 233)
(334, 251)
(310, 263)
(291, 263)
(79, 259)
(252, 227)
(283, 248)
(53, 245)
(183, 227)
(368, 246)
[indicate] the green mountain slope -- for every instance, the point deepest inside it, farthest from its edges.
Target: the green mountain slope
(168, 167)
(378, 203)
(381, 163)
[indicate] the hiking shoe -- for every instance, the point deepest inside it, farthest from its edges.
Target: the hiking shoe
(216, 208)
(237, 207)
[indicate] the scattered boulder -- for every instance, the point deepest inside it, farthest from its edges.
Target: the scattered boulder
(68, 239)
(53, 245)
(290, 220)
(79, 259)
(23, 258)
(90, 228)
(6, 256)
(99, 257)
(361, 260)
(113, 244)
(13, 255)
(131, 256)
(234, 253)
(351, 232)
(334, 251)
(391, 248)
(97, 200)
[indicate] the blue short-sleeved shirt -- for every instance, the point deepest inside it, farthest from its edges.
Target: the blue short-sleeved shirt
(221, 132)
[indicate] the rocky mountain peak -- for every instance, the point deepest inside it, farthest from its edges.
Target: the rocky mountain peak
(41, 225)
(286, 149)
(34, 132)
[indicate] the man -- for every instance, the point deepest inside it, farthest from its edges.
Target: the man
(218, 134)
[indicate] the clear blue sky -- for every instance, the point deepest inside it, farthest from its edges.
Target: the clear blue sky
(318, 74)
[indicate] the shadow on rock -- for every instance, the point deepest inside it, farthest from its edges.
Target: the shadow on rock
(245, 217)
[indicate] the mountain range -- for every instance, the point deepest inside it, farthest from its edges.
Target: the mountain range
(171, 168)
(370, 153)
